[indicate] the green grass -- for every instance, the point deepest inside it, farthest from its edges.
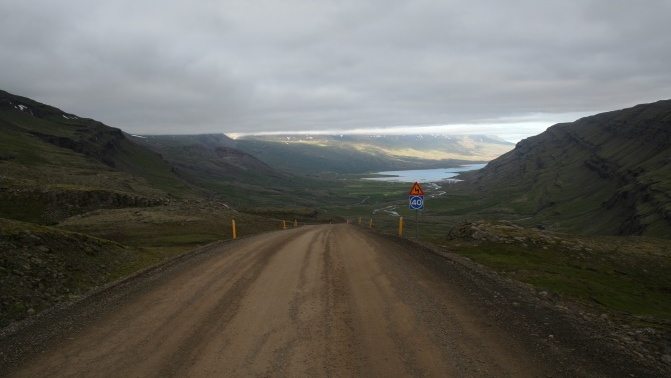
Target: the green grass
(626, 282)
(184, 224)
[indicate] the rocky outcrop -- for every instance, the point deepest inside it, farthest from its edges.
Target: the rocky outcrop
(41, 266)
(101, 143)
(49, 206)
(509, 233)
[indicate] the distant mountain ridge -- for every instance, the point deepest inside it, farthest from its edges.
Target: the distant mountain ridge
(607, 173)
(366, 153)
(210, 160)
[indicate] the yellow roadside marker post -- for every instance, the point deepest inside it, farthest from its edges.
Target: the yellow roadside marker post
(370, 223)
(400, 226)
(295, 223)
(284, 224)
(235, 233)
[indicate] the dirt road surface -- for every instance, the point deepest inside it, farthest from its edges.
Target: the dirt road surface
(332, 300)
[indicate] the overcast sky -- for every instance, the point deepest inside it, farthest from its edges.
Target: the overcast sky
(504, 67)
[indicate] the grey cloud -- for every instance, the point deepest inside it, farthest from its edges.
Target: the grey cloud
(241, 66)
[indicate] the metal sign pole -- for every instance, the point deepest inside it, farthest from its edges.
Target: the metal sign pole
(417, 224)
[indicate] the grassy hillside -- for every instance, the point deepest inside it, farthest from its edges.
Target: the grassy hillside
(55, 164)
(211, 162)
(359, 154)
(607, 174)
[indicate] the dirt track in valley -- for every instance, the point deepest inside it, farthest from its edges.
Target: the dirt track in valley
(331, 300)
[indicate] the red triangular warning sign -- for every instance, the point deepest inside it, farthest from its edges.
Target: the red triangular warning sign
(416, 190)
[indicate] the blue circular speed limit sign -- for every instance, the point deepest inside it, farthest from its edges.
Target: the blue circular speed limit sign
(416, 202)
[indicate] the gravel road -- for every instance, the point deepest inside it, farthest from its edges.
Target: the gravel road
(331, 300)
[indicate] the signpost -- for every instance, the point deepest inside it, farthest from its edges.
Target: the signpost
(416, 202)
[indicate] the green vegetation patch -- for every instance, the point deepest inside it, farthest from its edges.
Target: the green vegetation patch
(186, 225)
(41, 266)
(630, 276)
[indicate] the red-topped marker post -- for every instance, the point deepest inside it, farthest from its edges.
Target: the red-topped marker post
(416, 202)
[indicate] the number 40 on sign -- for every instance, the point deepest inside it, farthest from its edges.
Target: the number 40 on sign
(416, 202)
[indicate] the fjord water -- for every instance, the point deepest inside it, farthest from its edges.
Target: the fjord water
(425, 175)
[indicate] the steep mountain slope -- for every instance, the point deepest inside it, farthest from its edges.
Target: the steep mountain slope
(210, 159)
(608, 173)
(366, 153)
(211, 162)
(55, 164)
